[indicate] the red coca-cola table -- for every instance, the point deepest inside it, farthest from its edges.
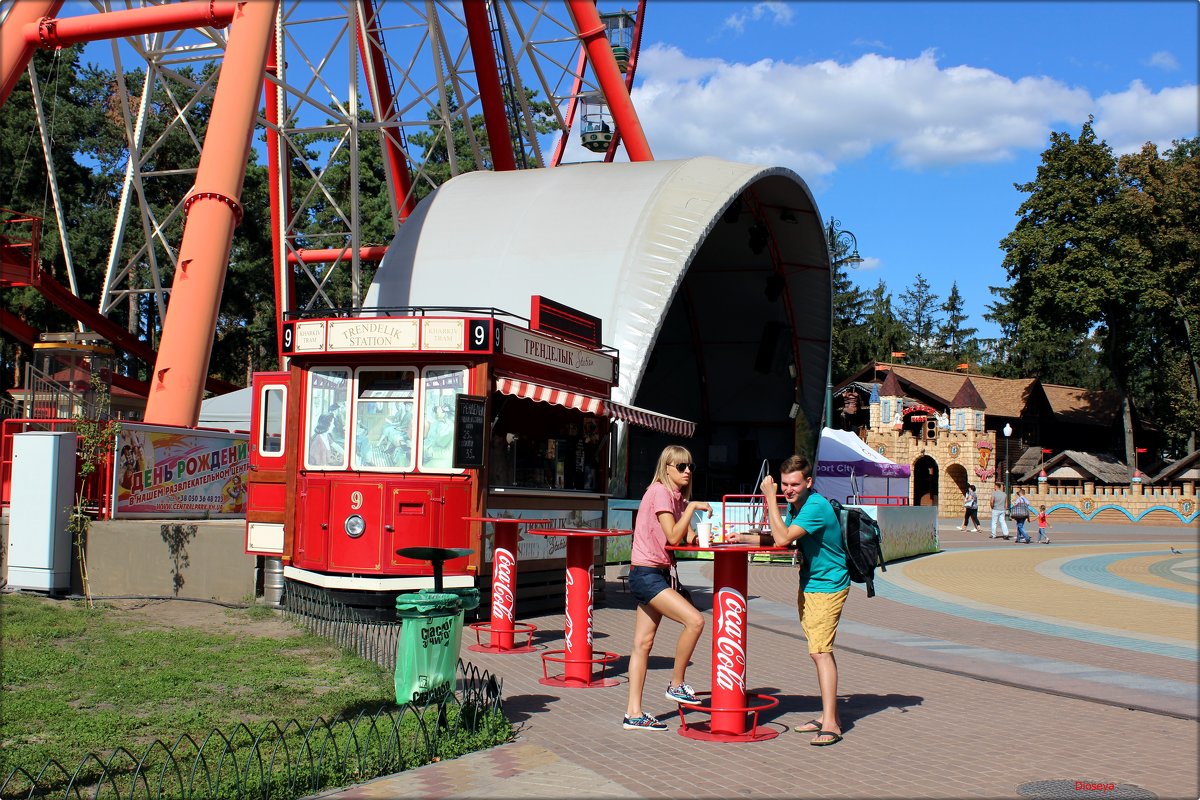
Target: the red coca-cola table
(577, 659)
(503, 626)
(727, 707)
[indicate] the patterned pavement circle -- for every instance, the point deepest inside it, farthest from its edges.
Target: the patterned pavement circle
(1121, 595)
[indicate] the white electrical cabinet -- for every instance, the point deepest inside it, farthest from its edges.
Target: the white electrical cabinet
(43, 485)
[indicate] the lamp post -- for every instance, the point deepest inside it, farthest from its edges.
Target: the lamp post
(1007, 433)
(839, 241)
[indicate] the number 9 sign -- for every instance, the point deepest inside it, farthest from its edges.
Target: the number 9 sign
(288, 341)
(356, 500)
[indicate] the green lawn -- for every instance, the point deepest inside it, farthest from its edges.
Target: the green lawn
(75, 681)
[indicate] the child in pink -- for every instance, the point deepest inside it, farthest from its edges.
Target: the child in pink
(1043, 523)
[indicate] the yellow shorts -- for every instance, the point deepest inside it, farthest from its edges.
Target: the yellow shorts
(819, 615)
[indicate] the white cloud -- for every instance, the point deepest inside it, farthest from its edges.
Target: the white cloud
(780, 14)
(813, 117)
(1129, 119)
(1164, 61)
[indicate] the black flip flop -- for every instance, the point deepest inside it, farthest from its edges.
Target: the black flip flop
(837, 737)
(816, 726)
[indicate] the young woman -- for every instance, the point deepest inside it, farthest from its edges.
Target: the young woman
(664, 517)
(970, 509)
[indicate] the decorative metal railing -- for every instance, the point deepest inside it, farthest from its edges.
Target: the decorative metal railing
(351, 629)
(284, 761)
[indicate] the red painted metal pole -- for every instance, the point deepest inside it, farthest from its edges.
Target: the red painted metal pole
(369, 253)
(133, 22)
(595, 40)
(504, 583)
(280, 187)
(15, 51)
(375, 68)
(495, 119)
(213, 211)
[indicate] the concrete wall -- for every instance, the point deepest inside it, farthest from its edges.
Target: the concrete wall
(168, 558)
(175, 558)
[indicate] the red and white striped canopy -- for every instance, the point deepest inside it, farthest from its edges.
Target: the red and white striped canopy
(596, 405)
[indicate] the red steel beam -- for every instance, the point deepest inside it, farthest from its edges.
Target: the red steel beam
(479, 33)
(212, 210)
(50, 32)
(372, 253)
(375, 68)
(280, 192)
(594, 36)
(15, 51)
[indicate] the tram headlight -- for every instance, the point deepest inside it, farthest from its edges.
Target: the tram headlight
(355, 525)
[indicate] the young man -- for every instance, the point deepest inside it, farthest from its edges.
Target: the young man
(824, 580)
(999, 506)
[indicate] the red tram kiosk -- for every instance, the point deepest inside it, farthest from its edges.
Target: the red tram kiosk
(388, 429)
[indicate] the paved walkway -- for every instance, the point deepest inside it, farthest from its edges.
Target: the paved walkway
(988, 670)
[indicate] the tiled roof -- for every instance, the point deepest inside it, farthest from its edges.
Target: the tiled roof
(1083, 406)
(891, 387)
(968, 396)
(1176, 470)
(1003, 397)
(1101, 467)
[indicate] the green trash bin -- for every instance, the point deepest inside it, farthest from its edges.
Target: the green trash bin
(427, 652)
(469, 596)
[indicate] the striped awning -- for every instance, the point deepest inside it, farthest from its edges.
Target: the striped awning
(652, 420)
(596, 405)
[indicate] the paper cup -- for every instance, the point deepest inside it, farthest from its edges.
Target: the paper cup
(704, 532)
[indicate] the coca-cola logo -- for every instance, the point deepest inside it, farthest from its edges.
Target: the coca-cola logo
(729, 640)
(504, 570)
(569, 623)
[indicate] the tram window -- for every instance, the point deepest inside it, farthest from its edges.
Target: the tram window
(328, 397)
(439, 388)
(274, 401)
(385, 419)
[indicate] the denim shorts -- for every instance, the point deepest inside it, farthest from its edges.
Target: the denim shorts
(646, 582)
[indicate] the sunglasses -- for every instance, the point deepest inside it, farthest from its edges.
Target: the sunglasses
(684, 467)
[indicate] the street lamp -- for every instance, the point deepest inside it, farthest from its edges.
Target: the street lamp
(1007, 433)
(838, 241)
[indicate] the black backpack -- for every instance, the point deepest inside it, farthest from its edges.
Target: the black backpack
(863, 542)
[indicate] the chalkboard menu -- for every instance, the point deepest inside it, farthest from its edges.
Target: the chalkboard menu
(470, 423)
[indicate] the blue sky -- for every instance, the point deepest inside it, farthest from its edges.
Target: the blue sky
(910, 122)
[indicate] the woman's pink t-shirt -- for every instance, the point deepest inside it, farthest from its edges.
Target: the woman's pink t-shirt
(649, 541)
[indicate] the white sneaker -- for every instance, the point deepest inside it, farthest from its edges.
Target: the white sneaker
(959, 528)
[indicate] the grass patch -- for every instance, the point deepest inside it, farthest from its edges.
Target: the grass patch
(75, 681)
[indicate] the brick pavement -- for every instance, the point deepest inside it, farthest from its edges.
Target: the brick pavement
(944, 693)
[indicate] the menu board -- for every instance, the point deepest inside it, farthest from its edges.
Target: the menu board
(470, 435)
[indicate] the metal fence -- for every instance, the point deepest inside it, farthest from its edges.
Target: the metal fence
(351, 629)
(290, 760)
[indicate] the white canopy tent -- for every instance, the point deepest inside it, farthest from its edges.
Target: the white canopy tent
(847, 470)
(711, 278)
(229, 412)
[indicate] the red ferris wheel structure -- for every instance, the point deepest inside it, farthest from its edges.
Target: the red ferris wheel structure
(411, 77)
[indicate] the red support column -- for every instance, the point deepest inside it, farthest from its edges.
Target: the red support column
(279, 180)
(15, 49)
(479, 32)
(729, 643)
(212, 212)
(595, 40)
(375, 67)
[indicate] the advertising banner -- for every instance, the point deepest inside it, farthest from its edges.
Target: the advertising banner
(178, 473)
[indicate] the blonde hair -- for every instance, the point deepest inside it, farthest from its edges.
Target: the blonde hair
(673, 454)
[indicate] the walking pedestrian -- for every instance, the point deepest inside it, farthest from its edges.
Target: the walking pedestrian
(1020, 514)
(664, 517)
(999, 507)
(811, 522)
(1043, 520)
(970, 508)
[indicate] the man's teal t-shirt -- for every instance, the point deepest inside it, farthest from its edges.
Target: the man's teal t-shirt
(824, 568)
